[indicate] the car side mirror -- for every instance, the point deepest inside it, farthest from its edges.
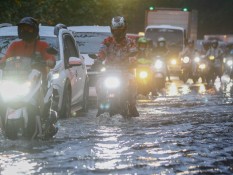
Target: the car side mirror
(93, 56)
(52, 51)
(74, 61)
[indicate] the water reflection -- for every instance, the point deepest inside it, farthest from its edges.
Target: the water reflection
(16, 163)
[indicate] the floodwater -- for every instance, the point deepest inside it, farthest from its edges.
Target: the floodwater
(188, 129)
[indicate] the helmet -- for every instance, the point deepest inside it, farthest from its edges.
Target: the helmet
(161, 42)
(214, 43)
(205, 44)
(190, 43)
(28, 29)
(118, 28)
(142, 43)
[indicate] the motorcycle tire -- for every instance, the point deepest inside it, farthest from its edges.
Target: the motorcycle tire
(65, 111)
(11, 129)
(85, 97)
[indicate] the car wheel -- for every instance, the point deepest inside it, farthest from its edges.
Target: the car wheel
(85, 97)
(66, 103)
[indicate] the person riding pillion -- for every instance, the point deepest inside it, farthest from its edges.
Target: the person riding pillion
(120, 49)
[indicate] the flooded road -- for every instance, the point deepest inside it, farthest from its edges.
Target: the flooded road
(188, 129)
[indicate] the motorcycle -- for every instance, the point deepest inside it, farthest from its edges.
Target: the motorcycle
(160, 72)
(113, 91)
(228, 64)
(145, 77)
(190, 68)
(215, 69)
(25, 101)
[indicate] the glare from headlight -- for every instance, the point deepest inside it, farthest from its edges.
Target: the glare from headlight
(12, 90)
(55, 76)
(158, 64)
(229, 62)
(197, 59)
(112, 82)
(224, 60)
(173, 61)
(211, 57)
(202, 66)
(143, 74)
(103, 69)
(186, 59)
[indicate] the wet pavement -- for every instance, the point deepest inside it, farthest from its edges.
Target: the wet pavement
(187, 129)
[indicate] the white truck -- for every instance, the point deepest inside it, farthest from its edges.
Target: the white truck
(175, 25)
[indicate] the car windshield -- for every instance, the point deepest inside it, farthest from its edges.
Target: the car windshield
(90, 42)
(174, 37)
(5, 41)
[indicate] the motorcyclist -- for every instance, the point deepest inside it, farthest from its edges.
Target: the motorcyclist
(217, 52)
(162, 50)
(30, 46)
(189, 49)
(118, 49)
(144, 50)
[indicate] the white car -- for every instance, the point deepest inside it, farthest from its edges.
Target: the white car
(70, 79)
(89, 39)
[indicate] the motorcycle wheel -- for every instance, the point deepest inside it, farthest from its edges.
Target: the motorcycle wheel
(11, 129)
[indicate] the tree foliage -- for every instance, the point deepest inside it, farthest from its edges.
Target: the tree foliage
(214, 15)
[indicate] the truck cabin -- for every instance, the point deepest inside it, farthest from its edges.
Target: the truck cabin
(175, 36)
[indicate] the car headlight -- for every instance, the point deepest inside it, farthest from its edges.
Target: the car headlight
(143, 74)
(158, 64)
(211, 57)
(229, 62)
(112, 82)
(11, 90)
(224, 60)
(197, 59)
(186, 59)
(202, 66)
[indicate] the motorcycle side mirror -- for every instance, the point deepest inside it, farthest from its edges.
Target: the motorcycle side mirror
(93, 56)
(52, 51)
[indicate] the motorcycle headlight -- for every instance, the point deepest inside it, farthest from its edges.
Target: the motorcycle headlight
(186, 59)
(197, 59)
(143, 74)
(112, 82)
(202, 66)
(158, 64)
(173, 62)
(211, 57)
(11, 90)
(103, 69)
(224, 60)
(229, 62)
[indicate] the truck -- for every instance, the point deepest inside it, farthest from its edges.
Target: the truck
(176, 26)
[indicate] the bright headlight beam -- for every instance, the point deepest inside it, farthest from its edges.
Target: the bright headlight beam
(158, 64)
(186, 59)
(10, 90)
(143, 74)
(112, 82)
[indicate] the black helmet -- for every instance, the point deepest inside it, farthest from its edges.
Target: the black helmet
(118, 28)
(214, 43)
(25, 34)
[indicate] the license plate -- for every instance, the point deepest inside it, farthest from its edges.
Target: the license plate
(14, 114)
